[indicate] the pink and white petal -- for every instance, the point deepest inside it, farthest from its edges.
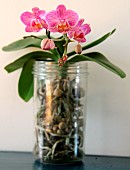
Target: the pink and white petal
(80, 22)
(61, 11)
(41, 14)
(32, 29)
(27, 17)
(80, 40)
(86, 28)
(52, 18)
(35, 9)
(53, 29)
(71, 17)
(44, 24)
(83, 40)
(28, 29)
(53, 24)
(79, 36)
(70, 34)
(73, 29)
(37, 29)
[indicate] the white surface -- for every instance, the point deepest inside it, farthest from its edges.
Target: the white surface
(108, 111)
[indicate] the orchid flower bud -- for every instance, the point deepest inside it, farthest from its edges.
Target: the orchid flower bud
(78, 49)
(47, 44)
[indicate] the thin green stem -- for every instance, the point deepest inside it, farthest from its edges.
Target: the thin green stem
(66, 44)
(32, 36)
(48, 34)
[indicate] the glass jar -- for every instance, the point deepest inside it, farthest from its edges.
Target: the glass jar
(60, 109)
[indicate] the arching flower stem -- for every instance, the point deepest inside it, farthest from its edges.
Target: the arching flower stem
(33, 36)
(66, 44)
(48, 34)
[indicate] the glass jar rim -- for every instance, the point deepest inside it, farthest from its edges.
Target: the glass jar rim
(51, 67)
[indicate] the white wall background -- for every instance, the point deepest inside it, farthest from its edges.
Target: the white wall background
(108, 111)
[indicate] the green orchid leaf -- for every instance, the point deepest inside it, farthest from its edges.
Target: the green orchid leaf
(100, 59)
(60, 46)
(94, 43)
(24, 43)
(37, 55)
(25, 85)
(98, 41)
(56, 54)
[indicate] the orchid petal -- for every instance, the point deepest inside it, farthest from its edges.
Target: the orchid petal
(86, 28)
(41, 14)
(35, 9)
(61, 11)
(52, 18)
(27, 17)
(29, 29)
(70, 34)
(80, 22)
(52, 29)
(32, 29)
(71, 17)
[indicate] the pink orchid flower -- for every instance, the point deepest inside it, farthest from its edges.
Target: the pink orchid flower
(34, 21)
(80, 31)
(47, 44)
(61, 20)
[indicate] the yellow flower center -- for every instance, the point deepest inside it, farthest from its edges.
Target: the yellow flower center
(37, 24)
(63, 26)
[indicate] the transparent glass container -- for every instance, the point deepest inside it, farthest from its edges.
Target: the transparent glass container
(60, 111)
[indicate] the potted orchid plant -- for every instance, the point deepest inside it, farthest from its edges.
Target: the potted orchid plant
(72, 29)
(60, 95)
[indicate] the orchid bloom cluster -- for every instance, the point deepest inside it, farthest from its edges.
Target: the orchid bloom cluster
(62, 21)
(70, 28)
